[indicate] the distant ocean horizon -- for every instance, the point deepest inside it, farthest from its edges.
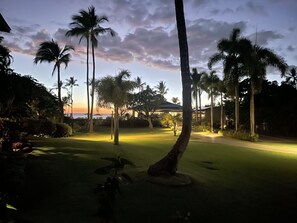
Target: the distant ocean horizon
(85, 115)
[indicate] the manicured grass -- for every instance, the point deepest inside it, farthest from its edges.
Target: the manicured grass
(230, 184)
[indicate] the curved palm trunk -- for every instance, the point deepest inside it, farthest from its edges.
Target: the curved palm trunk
(88, 91)
(168, 165)
(252, 110)
(116, 126)
(61, 118)
(200, 115)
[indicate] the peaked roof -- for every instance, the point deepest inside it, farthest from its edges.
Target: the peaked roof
(169, 107)
(4, 27)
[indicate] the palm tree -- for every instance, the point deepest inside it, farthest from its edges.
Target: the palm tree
(197, 86)
(211, 81)
(139, 84)
(71, 82)
(50, 51)
(230, 53)
(5, 57)
(114, 91)
(175, 100)
(291, 77)
(168, 165)
(81, 26)
(88, 25)
(256, 61)
(162, 89)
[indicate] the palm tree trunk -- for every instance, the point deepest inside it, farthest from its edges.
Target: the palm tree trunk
(168, 165)
(71, 103)
(237, 108)
(88, 91)
(222, 113)
(200, 115)
(116, 126)
(91, 126)
(252, 110)
(196, 104)
(61, 118)
(211, 111)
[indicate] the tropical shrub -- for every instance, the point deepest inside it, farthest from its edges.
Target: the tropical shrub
(201, 128)
(243, 135)
(62, 130)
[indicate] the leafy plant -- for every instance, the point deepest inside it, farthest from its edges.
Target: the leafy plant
(107, 191)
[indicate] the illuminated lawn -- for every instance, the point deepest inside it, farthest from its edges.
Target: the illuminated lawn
(230, 184)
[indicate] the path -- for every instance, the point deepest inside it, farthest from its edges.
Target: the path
(266, 143)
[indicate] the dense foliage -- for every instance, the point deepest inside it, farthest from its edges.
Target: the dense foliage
(23, 96)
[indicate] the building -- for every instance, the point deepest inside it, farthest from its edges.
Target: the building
(169, 107)
(4, 27)
(205, 115)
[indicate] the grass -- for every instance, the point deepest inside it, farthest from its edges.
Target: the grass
(230, 184)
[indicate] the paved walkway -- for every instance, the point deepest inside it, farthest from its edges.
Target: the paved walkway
(265, 143)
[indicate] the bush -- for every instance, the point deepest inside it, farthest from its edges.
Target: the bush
(47, 127)
(243, 135)
(62, 130)
(201, 128)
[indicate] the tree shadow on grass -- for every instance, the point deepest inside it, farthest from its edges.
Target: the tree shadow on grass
(60, 182)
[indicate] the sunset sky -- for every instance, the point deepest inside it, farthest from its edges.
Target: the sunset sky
(146, 38)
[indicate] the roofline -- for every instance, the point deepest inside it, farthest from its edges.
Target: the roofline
(4, 26)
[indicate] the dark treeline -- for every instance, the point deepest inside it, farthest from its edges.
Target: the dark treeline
(274, 112)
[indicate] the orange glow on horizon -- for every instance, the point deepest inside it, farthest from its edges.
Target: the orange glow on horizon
(85, 110)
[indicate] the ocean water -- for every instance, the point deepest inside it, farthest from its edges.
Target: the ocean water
(84, 115)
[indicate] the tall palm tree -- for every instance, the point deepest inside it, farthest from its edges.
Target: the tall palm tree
(162, 89)
(211, 81)
(168, 165)
(88, 25)
(51, 52)
(114, 91)
(197, 86)
(71, 82)
(291, 77)
(230, 53)
(80, 27)
(256, 61)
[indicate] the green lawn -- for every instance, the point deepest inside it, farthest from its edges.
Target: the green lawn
(230, 184)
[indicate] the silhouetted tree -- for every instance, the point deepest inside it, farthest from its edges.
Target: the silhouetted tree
(162, 89)
(145, 103)
(256, 61)
(88, 25)
(51, 52)
(230, 54)
(197, 87)
(5, 57)
(114, 91)
(291, 77)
